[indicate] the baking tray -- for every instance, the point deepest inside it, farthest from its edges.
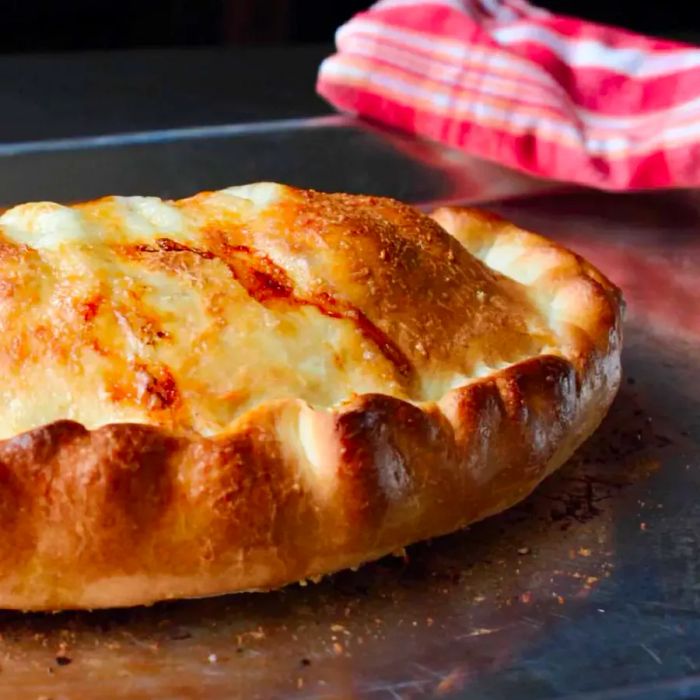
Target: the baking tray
(329, 152)
(589, 589)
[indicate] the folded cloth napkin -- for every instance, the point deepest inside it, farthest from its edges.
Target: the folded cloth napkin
(550, 95)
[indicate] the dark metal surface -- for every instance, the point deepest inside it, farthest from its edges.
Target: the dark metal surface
(331, 153)
(589, 589)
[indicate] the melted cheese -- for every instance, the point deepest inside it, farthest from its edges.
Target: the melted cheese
(188, 314)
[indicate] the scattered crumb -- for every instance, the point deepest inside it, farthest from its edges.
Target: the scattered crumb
(481, 631)
(524, 550)
(212, 658)
(450, 683)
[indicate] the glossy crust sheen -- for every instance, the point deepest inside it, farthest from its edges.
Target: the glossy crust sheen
(128, 514)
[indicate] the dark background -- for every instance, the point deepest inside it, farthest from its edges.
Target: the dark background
(49, 25)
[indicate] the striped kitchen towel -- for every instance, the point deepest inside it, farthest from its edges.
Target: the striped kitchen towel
(550, 95)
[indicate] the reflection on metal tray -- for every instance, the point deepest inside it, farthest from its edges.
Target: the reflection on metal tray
(589, 590)
(332, 153)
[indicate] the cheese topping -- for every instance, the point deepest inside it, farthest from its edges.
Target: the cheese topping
(188, 314)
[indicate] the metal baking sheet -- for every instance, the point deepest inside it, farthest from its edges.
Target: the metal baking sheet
(589, 590)
(327, 153)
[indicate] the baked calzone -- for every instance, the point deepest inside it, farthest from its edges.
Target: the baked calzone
(261, 385)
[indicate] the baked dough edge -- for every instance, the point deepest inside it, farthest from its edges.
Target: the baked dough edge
(131, 514)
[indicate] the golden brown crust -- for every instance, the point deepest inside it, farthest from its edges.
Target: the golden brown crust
(127, 514)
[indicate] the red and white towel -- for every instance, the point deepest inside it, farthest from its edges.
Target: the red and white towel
(553, 96)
